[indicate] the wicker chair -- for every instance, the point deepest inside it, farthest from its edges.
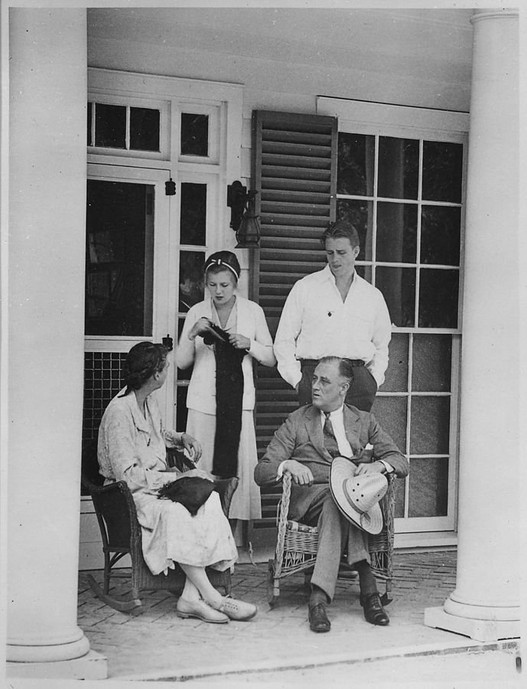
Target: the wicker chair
(121, 535)
(297, 545)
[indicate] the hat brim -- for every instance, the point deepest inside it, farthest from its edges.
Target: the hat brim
(371, 521)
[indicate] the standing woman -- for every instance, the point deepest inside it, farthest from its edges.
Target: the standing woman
(221, 392)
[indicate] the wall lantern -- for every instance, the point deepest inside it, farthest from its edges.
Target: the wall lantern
(243, 219)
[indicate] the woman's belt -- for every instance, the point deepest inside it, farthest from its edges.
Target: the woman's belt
(314, 362)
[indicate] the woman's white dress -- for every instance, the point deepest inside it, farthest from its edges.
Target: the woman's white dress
(246, 318)
(132, 448)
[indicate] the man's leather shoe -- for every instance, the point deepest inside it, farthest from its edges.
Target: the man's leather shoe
(373, 610)
(318, 620)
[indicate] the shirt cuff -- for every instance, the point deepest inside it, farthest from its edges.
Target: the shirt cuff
(280, 471)
(388, 467)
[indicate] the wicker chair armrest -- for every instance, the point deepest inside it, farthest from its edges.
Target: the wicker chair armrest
(283, 505)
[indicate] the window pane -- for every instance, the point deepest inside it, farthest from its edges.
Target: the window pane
(190, 278)
(194, 134)
(398, 288)
(430, 425)
(442, 171)
(438, 298)
(398, 167)
(356, 154)
(390, 412)
(360, 214)
(428, 488)
(193, 213)
(144, 129)
(397, 372)
(440, 230)
(432, 359)
(110, 125)
(119, 259)
(88, 124)
(396, 232)
(183, 374)
(181, 408)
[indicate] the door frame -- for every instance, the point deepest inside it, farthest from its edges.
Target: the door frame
(164, 305)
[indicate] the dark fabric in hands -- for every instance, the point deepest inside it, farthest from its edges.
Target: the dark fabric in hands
(190, 491)
(229, 396)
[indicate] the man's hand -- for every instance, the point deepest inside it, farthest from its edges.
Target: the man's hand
(370, 468)
(192, 446)
(301, 474)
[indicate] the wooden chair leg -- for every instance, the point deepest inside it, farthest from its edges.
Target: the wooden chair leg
(273, 585)
(116, 602)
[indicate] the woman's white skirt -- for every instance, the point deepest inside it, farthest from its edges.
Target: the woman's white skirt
(171, 534)
(246, 503)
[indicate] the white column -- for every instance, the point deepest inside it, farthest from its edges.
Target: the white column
(485, 603)
(47, 157)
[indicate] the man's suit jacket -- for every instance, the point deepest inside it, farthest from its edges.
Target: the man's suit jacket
(301, 437)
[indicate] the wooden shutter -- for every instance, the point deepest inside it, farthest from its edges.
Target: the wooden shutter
(294, 173)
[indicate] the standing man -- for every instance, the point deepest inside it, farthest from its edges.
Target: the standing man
(306, 446)
(335, 312)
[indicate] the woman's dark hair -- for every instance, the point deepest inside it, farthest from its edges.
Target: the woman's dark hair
(341, 228)
(222, 260)
(142, 361)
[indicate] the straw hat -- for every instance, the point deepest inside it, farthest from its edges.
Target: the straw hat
(357, 497)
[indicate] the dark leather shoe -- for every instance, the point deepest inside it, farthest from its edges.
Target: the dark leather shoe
(318, 620)
(373, 610)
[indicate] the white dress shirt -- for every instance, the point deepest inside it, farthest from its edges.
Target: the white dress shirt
(315, 322)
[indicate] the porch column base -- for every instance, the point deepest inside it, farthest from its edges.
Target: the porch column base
(91, 666)
(477, 629)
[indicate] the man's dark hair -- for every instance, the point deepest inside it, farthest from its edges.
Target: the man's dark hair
(341, 228)
(344, 366)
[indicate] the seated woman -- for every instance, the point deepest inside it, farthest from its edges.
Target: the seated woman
(132, 448)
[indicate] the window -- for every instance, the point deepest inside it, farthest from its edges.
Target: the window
(119, 258)
(400, 182)
(123, 127)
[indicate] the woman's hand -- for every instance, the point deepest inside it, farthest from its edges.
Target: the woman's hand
(239, 341)
(200, 327)
(192, 447)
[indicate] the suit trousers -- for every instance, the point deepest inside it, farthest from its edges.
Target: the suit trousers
(336, 535)
(361, 393)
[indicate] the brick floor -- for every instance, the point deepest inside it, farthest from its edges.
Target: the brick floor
(158, 644)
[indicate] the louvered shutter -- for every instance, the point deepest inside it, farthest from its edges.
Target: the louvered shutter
(294, 173)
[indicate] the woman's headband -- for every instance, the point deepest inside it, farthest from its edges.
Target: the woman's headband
(220, 262)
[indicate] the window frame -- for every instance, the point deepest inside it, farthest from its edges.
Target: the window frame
(385, 120)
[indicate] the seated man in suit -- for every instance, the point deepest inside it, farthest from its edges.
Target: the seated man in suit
(305, 445)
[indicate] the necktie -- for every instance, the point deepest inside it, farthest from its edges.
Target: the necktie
(330, 442)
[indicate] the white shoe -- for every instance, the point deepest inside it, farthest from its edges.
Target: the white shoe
(200, 610)
(237, 609)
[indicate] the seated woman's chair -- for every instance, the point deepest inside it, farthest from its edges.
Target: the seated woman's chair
(121, 535)
(297, 545)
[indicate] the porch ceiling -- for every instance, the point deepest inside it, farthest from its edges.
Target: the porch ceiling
(415, 42)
